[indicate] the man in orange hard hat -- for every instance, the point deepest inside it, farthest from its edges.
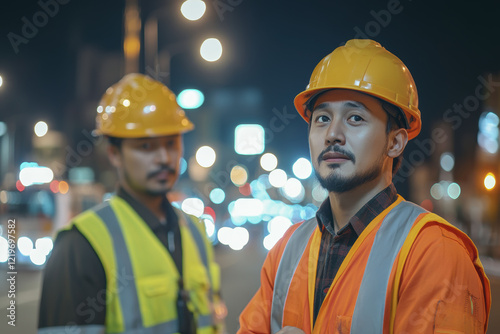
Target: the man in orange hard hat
(369, 262)
(135, 264)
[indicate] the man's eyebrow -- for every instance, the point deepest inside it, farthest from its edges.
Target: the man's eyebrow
(321, 105)
(355, 104)
(349, 104)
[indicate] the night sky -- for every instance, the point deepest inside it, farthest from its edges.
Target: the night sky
(269, 45)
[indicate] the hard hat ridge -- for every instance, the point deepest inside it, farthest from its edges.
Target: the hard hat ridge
(367, 67)
(139, 106)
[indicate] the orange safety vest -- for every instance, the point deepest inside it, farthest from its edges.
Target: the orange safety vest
(365, 293)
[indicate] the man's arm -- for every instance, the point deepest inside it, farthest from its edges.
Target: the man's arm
(74, 285)
(256, 317)
(440, 287)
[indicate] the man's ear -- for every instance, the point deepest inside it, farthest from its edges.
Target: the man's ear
(114, 155)
(397, 142)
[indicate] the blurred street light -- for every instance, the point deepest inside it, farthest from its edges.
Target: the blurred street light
(438, 191)
(3, 128)
(190, 99)
(488, 134)
(268, 162)
(238, 175)
(319, 193)
(278, 178)
(35, 175)
(217, 195)
(454, 190)
(249, 139)
(193, 206)
(193, 9)
(211, 49)
(205, 156)
(294, 190)
(152, 58)
(41, 129)
(1, 81)
(302, 168)
(447, 161)
(489, 181)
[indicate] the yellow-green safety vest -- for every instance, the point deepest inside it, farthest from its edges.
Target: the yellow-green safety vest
(141, 276)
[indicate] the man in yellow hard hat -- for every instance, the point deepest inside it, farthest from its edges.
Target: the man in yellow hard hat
(369, 262)
(135, 264)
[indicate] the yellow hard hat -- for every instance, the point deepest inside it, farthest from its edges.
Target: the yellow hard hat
(139, 106)
(365, 66)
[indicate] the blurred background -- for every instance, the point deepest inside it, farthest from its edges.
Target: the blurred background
(236, 66)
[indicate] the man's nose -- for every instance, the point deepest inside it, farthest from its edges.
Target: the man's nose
(335, 133)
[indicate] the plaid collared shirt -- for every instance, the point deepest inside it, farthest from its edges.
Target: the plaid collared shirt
(335, 246)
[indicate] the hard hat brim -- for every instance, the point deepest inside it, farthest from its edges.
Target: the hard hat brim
(302, 98)
(145, 133)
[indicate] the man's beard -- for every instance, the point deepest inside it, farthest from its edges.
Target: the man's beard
(143, 189)
(339, 184)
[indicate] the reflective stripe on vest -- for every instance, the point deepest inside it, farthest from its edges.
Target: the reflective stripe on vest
(286, 269)
(368, 316)
(87, 329)
(198, 238)
(204, 321)
(167, 328)
(128, 296)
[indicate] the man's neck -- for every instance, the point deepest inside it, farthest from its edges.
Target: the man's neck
(345, 205)
(151, 202)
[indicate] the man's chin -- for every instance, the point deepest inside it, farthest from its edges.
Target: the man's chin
(338, 182)
(159, 190)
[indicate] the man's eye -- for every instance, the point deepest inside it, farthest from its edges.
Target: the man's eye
(146, 146)
(322, 119)
(356, 118)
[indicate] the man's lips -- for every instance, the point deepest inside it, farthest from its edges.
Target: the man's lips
(334, 157)
(161, 174)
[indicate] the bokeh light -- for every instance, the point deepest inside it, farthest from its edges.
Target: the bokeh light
(193, 206)
(41, 128)
(268, 162)
(302, 168)
(239, 175)
(211, 49)
(190, 99)
(193, 9)
(447, 161)
(205, 156)
(490, 181)
(217, 195)
(277, 178)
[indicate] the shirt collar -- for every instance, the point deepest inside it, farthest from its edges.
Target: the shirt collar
(149, 217)
(363, 217)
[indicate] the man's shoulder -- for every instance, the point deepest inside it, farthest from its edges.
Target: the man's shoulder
(91, 213)
(71, 238)
(438, 234)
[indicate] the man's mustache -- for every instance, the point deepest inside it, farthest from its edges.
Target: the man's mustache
(336, 149)
(162, 169)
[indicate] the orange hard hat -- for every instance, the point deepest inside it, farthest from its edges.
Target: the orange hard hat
(139, 106)
(367, 67)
